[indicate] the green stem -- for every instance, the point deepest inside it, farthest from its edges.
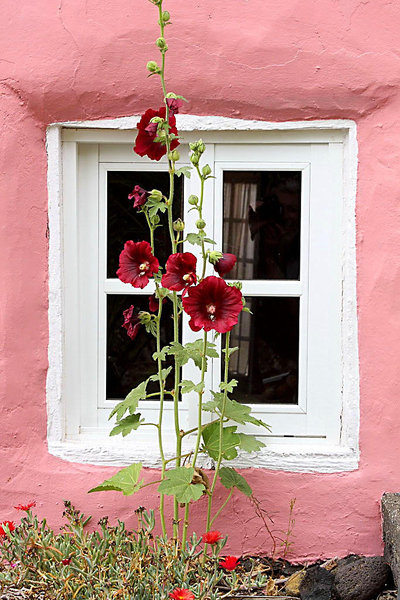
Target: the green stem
(200, 210)
(221, 428)
(160, 415)
(221, 508)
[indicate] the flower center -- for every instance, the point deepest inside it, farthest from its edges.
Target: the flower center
(144, 267)
(211, 309)
(189, 278)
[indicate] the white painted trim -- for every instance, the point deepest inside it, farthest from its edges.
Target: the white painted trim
(309, 458)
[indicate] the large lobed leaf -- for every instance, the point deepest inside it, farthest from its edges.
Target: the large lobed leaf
(131, 401)
(178, 483)
(125, 481)
(232, 479)
(230, 440)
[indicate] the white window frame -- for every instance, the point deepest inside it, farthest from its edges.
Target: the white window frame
(311, 143)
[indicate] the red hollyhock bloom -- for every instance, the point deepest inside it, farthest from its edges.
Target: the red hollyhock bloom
(181, 271)
(9, 524)
(66, 561)
(225, 263)
(213, 304)
(229, 563)
(153, 303)
(137, 264)
(212, 537)
(25, 507)
(174, 104)
(145, 144)
(181, 594)
(139, 195)
(131, 322)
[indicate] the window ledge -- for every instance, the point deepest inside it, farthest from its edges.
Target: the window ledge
(293, 458)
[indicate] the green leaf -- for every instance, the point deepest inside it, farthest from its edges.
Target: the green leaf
(228, 386)
(179, 352)
(162, 355)
(194, 239)
(232, 479)
(127, 425)
(209, 241)
(178, 483)
(131, 401)
(184, 171)
(249, 443)
(188, 386)
(125, 481)
(230, 351)
(164, 374)
(240, 413)
(230, 439)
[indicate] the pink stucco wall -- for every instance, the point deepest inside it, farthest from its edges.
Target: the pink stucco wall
(261, 59)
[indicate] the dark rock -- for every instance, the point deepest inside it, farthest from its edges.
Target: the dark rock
(317, 584)
(361, 578)
(391, 533)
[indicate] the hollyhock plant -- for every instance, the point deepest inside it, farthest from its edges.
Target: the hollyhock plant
(153, 303)
(137, 264)
(225, 263)
(25, 507)
(174, 104)
(181, 594)
(131, 322)
(212, 537)
(213, 304)
(181, 271)
(147, 132)
(139, 195)
(229, 563)
(9, 524)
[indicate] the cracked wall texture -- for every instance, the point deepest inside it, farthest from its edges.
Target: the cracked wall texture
(252, 59)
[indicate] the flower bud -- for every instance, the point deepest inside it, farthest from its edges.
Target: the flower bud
(161, 43)
(156, 195)
(153, 67)
(166, 16)
(206, 170)
(214, 256)
(200, 223)
(178, 225)
(155, 220)
(198, 147)
(194, 159)
(174, 155)
(193, 200)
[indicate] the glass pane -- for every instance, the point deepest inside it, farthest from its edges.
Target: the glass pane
(125, 223)
(266, 364)
(129, 362)
(262, 223)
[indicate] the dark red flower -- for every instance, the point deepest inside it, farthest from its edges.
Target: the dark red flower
(139, 195)
(66, 561)
(9, 524)
(225, 263)
(229, 563)
(145, 144)
(137, 264)
(153, 303)
(213, 304)
(181, 271)
(174, 104)
(25, 507)
(181, 594)
(131, 322)
(212, 537)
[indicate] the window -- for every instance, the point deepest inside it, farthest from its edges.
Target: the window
(283, 201)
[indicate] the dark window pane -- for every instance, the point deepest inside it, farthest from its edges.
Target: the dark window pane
(266, 364)
(129, 362)
(125, 223)
(262, 223)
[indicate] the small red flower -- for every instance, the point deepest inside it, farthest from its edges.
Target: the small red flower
(145, 144)
(9, 524)
(181, 594)
(212, 537)
(139, 195)
(225, 263)
(25, 507)
(153, 303)
(181, 271)
(131, 322)
(137, 264)
(174, 104)
(229, 563)
(213, 304)
(66, 561)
